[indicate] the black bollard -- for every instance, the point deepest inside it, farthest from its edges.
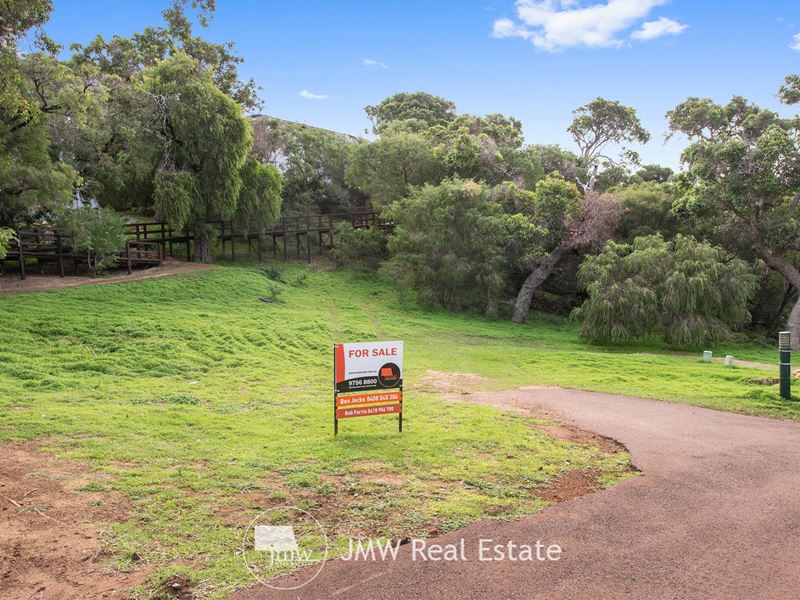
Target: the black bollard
(784, 346)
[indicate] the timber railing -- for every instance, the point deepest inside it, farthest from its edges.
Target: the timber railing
(149, 243)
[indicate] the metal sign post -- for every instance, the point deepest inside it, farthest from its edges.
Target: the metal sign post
(785, 347)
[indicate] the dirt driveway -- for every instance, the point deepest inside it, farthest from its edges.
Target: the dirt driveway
(715, 514)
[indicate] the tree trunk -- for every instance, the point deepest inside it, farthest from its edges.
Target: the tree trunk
(537, 277)
(202, 247)
(793, 325)
(792, 275)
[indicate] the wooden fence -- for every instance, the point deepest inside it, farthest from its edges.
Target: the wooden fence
(149, 243)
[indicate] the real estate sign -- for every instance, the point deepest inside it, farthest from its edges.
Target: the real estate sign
(375, 367)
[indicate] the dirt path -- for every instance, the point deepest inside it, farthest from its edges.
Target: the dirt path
(10, 283)
(50, 524)
(716, 514)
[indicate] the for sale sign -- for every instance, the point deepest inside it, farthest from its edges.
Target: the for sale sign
(372, 367)
(365, 366)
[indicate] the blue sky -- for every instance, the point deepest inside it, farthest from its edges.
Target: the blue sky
(533, 59)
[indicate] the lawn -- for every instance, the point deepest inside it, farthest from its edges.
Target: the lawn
(205, 406)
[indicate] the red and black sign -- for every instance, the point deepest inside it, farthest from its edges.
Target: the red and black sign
(367, 367)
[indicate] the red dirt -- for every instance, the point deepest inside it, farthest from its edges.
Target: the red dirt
(50, 533)
(10, 283)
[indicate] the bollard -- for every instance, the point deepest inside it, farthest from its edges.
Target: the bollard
(728, 360)
(784, 347)
(707, 355)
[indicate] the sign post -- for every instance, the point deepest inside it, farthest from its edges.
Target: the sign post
(375, 371)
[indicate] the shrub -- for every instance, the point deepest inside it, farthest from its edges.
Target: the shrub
(6, 235)
(97, 232)
(687, 292)
(360, 249)
(448, 245)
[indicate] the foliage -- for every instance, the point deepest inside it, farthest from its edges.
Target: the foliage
(97, 232)
(447, 245)
(653, 174)
(686, 292)
(206, 143)
(647, 210)
(384, 170)
(260, 195)
(361, 249)
(33, 87)
(743, 174)
(602, 123)
(6, 235)
(313, 161)
(419, 111)
(125, 58)
(553, 220)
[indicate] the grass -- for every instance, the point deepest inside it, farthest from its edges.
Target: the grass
(204, 406)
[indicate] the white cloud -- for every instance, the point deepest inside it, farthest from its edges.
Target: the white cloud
(309, 96)
(554, 25)
(795, 45)
(656, 29)
(371, 62)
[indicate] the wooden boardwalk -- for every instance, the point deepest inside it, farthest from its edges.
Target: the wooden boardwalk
(149, 243)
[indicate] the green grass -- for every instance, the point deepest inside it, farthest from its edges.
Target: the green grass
(205, 406)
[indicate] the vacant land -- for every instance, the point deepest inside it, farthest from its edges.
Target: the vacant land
(186, 406)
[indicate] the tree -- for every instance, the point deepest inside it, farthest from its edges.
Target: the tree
(600, 124)
(647, 210)
(385, 170)
(260, 195)
(314, 162)
(564, 221)
(419, 110)
(128, 57)
(206, 141)
(653, 174)
(447, 245)
(687, 292)
(743, 171)
(32, 87)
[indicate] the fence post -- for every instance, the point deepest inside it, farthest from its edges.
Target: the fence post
(60, 254)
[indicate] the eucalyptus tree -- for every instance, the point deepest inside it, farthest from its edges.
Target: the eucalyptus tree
(597, 126)
(548, 223)
(419, 111)
(743, 173)
(386, 169)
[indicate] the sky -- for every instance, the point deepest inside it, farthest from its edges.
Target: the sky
(321, 61)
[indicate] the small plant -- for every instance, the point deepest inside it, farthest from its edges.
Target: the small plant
(97, 232)
(275, 291)
(274, 273)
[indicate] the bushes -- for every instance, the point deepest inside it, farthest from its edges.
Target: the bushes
(359, 249)
(687, 292)
(448, 245)
(97, 232)
(6, 235)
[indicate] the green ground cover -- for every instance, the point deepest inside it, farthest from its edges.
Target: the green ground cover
(204, 406)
